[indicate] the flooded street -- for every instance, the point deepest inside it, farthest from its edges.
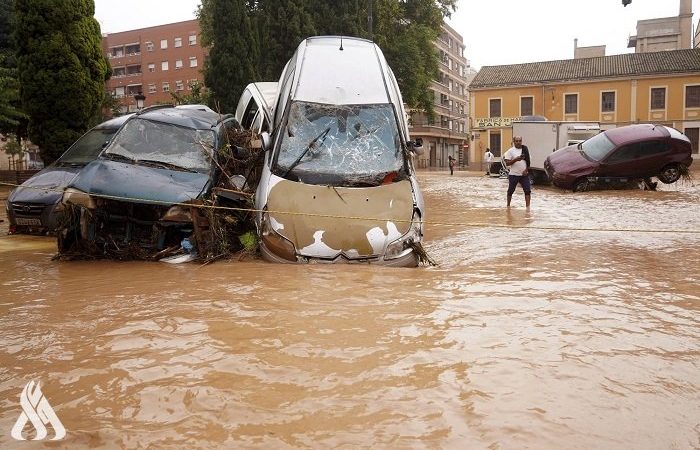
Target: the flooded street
(569, 326)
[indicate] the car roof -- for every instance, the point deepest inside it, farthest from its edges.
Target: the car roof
(115, 122)
(637, 132)
(329, 72)
(197, 118)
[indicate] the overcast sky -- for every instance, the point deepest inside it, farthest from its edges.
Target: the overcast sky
(495, 31)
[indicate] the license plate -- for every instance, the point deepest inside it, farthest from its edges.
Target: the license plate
(25, 221)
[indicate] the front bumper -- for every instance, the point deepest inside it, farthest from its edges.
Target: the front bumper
(408, 260)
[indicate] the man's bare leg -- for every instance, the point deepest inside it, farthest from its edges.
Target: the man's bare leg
(527, 200)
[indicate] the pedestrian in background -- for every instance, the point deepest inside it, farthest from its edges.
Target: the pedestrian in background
(451, 164)
(488, 157)
(518, 159)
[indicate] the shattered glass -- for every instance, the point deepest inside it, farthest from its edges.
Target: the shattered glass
(341, 145)
(145, 140)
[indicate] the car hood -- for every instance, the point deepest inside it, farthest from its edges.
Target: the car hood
(140, 184)
(329, 221)
(46, 187)
(570, 160)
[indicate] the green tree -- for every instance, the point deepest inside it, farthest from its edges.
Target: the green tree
(233, 51)
(12, 119)
(62, 70)
(198, 95)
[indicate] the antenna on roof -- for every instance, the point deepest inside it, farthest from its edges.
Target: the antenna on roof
(341, 43)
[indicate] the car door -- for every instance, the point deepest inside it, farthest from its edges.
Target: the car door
(637, 160)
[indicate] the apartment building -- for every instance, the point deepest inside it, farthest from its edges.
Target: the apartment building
(154, 61)
(660, 87)
(446, 135)
(665, 33)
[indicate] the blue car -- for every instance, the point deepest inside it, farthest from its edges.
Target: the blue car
(35, 207)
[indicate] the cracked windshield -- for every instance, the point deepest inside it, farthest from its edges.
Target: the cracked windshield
(348, 144)
(143, 140)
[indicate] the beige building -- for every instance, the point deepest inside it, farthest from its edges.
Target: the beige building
(447, 134)
(668, 33)
(660, 87)
(154, 61)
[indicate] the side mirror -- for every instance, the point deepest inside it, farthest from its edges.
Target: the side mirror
(416, 146)
(266, 140)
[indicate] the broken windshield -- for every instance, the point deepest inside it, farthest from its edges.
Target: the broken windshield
(145, 140)
(340, 145)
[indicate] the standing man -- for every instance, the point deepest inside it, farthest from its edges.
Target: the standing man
(488, 157)
(451, 164)
(518, 159)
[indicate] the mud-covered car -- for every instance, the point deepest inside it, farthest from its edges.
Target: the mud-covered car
(620, 155)
(35, 206)
(132, 200)
(338, 182)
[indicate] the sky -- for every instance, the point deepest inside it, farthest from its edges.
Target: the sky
(495, 31)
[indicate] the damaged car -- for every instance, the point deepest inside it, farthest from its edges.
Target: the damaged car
(138, 199)
(621, 155)
(35, 206)
(338, 182)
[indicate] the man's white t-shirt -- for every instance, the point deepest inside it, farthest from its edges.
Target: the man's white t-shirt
(517, 168)
(488, 156)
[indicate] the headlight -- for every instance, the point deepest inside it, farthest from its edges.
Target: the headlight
(78, 198)
(402, 246)
(275, 242)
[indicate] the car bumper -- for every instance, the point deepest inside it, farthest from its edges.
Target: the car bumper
(408, 260)
(34, 218)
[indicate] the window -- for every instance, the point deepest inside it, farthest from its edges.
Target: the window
(525, 106)
(166, 87)
(179, 85)
(119, 92)
(149, 46)
(151, 67)
(249, 115)
(163, 44)
(694, 136)
(692, 96)
(624, 154)
(178, 64)
(571, 104)
(495, 108)
(193, 61)
(193, 39)
(658, 98)
(151, 88)
(495, 143)
(607, 102)
(178, 42)
(164, 65)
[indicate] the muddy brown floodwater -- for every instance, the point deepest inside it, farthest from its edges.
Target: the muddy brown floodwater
(553, 336)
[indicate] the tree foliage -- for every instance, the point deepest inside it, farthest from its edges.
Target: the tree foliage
(405, 30)
(198, 95)
(62, 70)
(12, 119)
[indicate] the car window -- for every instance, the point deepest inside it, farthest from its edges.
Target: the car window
(249, 114)
(651, 148)
(623, 154)
(142, 139)
(88, 146)
(597, 147)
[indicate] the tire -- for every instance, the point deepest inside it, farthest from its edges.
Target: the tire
(582, 185)
(532, 177)
(503, 173)
(669, 174)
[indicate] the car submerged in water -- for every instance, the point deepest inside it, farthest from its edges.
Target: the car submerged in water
(338, 183)
(131, 201)
(620, 155)
(35, 206)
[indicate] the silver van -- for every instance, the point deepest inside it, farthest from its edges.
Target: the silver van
(338, 183)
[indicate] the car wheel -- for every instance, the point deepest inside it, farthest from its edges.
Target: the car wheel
(670, 174)
(582, 185)
(503, 172)
(532, 177)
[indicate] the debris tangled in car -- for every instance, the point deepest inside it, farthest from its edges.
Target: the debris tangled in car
(173, 185)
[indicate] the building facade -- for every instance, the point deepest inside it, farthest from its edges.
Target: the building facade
(667, 33)
(446, 135)
(154, 61)
(661, 87)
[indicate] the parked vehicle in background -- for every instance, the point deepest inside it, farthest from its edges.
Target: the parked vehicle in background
(129, 201)
(34, 207)
(255, 106)
(338, 183)
(620, 154)
(542, 138)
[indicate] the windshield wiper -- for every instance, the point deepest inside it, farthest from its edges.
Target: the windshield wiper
(164, 165)
(118, 157)
(321, 137)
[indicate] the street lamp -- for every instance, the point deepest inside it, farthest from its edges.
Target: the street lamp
(140, 100)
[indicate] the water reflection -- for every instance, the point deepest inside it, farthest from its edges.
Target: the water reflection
(522, 337)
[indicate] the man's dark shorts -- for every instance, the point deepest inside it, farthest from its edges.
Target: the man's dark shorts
(513, 181)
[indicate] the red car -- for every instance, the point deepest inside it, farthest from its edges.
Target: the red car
(624, 153)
